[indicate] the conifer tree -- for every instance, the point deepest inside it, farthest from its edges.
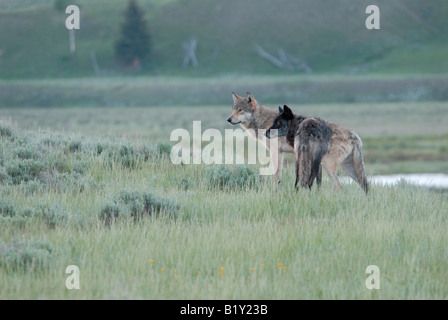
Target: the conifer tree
(134, 44)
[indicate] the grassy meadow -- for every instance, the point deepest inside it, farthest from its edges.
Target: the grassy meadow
(86, 179)
(398, 137)
(94, 187)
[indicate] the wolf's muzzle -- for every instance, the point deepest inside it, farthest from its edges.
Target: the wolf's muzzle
(268, 134)
(231, 122)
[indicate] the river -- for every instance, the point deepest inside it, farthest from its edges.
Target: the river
(432, 180)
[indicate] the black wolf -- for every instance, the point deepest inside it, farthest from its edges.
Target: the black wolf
(311, 140)
(345, 150)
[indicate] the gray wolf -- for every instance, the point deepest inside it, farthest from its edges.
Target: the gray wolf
(249, 114)
(345, 147)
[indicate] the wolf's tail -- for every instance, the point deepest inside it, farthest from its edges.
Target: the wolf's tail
(317, 149)
(358, 162)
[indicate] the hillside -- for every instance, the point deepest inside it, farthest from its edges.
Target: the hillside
(328, 36)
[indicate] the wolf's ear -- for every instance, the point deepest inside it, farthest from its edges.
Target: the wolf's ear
(280, 109)
(235, 97)
(287, 113)
(251, 100)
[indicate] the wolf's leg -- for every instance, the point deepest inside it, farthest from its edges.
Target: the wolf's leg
(315, 169)
(297, 174)
(315, 154)
(331, 169)
(349, 168)
(280, 167)
(319, 176)
(298, 156)
(305, 166)
(277, 165)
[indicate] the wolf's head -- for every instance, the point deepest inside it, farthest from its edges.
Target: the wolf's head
(281, 123)
(243, 109)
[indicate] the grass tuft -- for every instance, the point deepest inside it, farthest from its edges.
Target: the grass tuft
(136, 205)
(25, 256)
(224, 178)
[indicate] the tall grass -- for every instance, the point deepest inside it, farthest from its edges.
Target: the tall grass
(222, 243)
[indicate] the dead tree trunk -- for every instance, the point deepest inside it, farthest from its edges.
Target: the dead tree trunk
(302, 65)
(284, 60)
(190, 53)
(269, 57)
(95, 66)
(72, 40)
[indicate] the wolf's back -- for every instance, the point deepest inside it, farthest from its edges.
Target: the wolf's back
(315, 142)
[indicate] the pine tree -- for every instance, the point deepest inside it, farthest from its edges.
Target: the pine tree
(134, 44)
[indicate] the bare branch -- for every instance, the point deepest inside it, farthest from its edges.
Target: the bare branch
(190, 53)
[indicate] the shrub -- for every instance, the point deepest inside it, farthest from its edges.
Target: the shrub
(132, 201)
(25, 256)
(184, 184)
(79, 167)
(220, 177)
(7, 208)
(5, 130)
(155, 204)
(140, 204)
(135, 205)
(74, 146)
(9, 215)
(146, 152)
(32, 187)
(4, 177)
(26, 153)
(59, 164)
(52, 216)
(109, 213)
(15, 221)
(128, 157)
(164, 149)
(100, 147)
(25, 170)
(51, 141)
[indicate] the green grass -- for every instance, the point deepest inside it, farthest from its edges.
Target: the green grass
(425, 59)
(323, 239)
(408, 154)
(212, 91)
